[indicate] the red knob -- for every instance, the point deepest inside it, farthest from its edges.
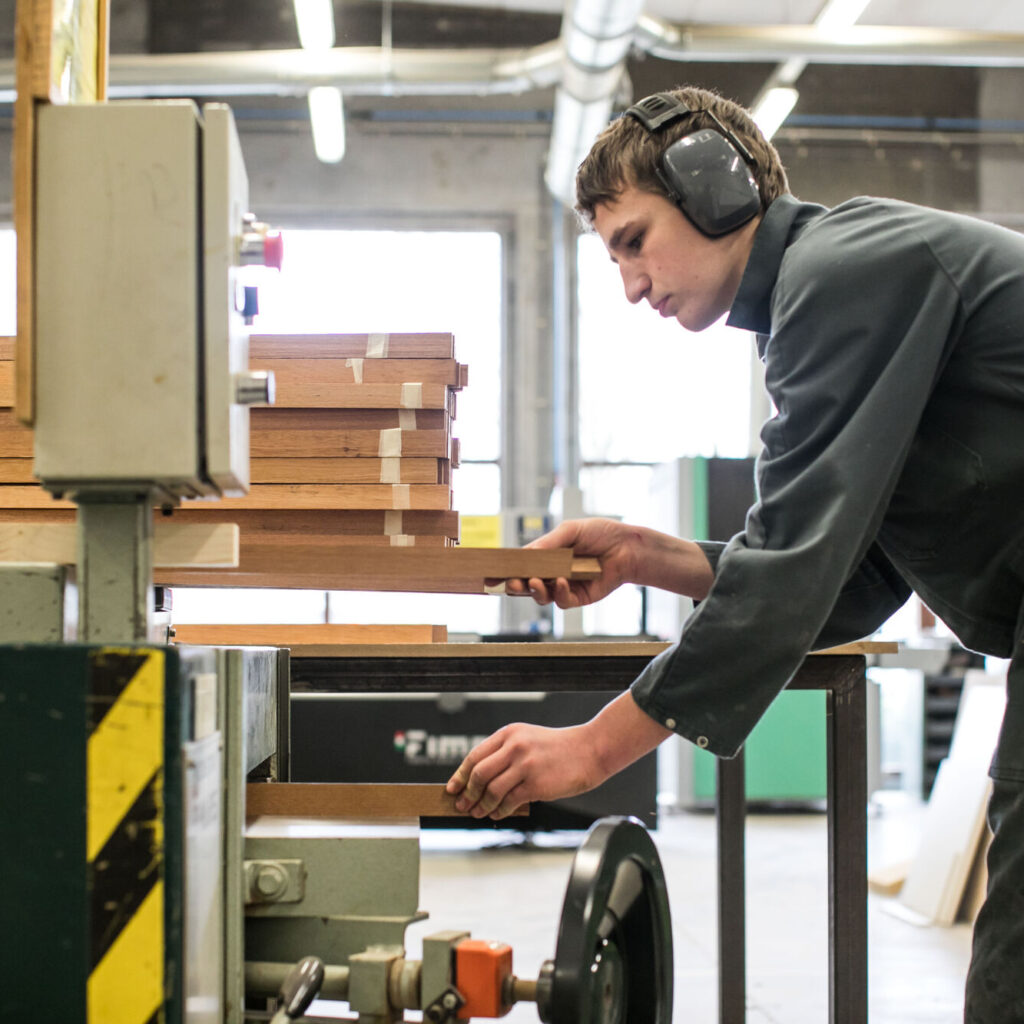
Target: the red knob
(273, 249)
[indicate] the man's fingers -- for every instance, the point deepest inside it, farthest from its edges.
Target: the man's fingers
(512, 800)
(461, 776)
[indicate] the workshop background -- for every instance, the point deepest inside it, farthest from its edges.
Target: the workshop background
(442, 210)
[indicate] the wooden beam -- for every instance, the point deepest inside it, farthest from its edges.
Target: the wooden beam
(354, 346)
(341, 470)
(295, 376)
(6, 383)
(402, 570)
(174, 544)
(352, 800)
(555, 649)
(425, 497)
(312, 442)
(275, 418)
(16, 471)
(287, 635)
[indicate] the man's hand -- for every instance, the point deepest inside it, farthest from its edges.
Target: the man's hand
(628, 554)
(522, 763)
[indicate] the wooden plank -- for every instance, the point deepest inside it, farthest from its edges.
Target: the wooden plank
(353, 800)
(325, 523)
(7, 349)
(456, 563)
(409, 570)
(303, 374)
(174, 544)
(16, 438)
(274, 418)
(355, 346)
(26, 497)
(431, 497)
(17, 471)
(286, 635)
(28, 52)
(409, 395)
(310, 442)
(59, 55)
(6, 383)
(554, 649)
(338, 471)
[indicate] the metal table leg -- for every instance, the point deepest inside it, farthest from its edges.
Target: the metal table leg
(730, 810)
(844, 680)
(847, 854)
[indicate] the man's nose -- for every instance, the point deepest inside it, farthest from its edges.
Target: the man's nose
(636, 284)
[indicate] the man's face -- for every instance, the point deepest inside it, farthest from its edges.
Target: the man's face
(664, 259)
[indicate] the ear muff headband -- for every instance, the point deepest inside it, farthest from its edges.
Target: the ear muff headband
(707, 173)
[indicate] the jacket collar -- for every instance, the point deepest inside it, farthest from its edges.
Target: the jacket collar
(780, 226)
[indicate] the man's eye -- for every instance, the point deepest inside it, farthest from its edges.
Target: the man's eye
(635, 242)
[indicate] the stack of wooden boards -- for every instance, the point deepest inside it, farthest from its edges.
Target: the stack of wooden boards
(351, 475)
(358, 445)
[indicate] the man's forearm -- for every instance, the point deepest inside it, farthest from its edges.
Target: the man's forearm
(672, 564)
(621, 733)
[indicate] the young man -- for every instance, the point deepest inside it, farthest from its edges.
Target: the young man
(893, 342)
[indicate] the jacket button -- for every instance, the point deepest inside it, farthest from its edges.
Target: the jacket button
(702, 742)
(670, 723)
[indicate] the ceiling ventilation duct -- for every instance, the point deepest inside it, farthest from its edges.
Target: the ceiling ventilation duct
(596, 36)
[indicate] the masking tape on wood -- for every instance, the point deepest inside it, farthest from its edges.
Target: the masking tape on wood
(377, 346)
(390, 446)
(400, 495)
(390, 471)
(412, 396)
(407, 419)
(392, 523)
(357, 369)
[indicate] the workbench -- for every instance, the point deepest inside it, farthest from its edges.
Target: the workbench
(611, 667)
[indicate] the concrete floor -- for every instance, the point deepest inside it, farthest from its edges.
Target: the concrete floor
(514, 894)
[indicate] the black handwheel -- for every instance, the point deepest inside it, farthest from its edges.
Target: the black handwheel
(613, 959)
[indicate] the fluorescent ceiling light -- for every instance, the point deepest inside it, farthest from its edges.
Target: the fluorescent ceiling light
(327, 119)
(773, 108)
(835, 14)
(315, 19)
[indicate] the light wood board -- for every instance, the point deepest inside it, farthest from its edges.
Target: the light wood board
(274, 418)
(287, 635)
(351, 800)
(582, 649)
(174, 544)
(355, 346)
(357, 497)
(295, 376)
(338, 470)
(310, 441)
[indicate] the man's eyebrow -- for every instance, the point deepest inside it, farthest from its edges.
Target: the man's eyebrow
(616, 240)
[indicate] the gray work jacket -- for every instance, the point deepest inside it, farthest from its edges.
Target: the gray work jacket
(893, 342)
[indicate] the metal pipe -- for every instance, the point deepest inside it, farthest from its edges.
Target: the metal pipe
(375, 71)
(264, 978)
(858, 44)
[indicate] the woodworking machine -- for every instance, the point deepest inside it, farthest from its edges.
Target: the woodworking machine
(138, 890)
(135, 889)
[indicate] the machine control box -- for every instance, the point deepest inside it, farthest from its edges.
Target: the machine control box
(142, 344)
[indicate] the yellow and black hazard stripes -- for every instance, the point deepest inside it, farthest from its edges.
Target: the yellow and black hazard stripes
(125, 836)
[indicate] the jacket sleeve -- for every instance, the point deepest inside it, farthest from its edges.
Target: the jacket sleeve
(861, 318)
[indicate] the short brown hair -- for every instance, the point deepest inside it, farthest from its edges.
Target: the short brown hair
(627, 154)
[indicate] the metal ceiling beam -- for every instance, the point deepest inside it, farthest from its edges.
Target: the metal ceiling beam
(858, 44)
(397, 72)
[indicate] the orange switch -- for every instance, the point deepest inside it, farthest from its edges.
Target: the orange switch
(482, 973)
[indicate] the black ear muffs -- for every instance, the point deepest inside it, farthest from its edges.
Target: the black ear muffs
(708, 174)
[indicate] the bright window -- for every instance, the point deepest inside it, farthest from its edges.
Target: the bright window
(337, 281)
(650, 392)
(8, 283)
